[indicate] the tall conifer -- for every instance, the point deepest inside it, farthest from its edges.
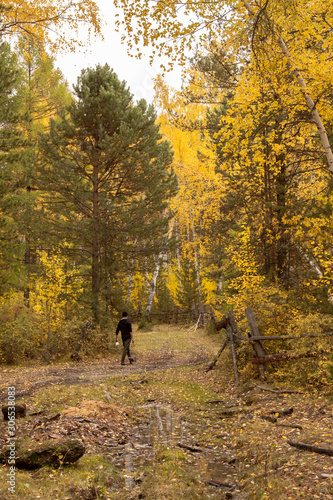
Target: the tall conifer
(107, 173)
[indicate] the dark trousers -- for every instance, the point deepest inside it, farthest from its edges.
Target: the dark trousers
(126, 350)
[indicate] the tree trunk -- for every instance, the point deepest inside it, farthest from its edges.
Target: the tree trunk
(178, 259)
(130, 269)
(153, 284)
(129, 288)
(95, 271)
(196, 262)
(282, 236)
(147, 275)
(311, 447)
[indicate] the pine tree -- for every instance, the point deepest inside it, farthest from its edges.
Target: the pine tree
(107, 174)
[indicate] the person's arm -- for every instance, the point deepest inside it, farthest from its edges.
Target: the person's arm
(117, 331)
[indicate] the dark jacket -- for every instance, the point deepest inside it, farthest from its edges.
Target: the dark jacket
(125, 327)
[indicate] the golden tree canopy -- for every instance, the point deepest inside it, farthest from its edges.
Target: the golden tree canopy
(56, 24)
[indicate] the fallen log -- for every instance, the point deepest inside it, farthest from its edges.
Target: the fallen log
(293, 426)
(311, 447)
(285, 356)
(276, 391)
(269, 418)
(275, 414)
(18, 411)
(51, 453)
(190, 448)
(218, 484)
(231, 413)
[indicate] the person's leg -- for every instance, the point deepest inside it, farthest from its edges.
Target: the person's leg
(126, 350)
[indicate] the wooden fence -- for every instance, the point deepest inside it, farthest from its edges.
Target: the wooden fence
(201, 315)
(260, 355)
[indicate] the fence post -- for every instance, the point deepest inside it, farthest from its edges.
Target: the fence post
(201, 315)
(230, 331)
(257, 345)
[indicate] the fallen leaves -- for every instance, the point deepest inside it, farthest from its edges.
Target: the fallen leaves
(96, 423)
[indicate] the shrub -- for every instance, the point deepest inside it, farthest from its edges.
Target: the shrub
(19, 331)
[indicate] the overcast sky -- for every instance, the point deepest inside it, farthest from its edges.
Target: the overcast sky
(137, 73)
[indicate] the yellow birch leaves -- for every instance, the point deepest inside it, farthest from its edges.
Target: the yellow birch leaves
(57, 24)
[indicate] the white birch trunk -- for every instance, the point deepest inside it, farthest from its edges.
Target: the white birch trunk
(220, 284)
(130, 286)
(130, 278)
(147, 275)
(153, 284)
(311, 105)
(315, 268)
(178, 260)
(196, 262)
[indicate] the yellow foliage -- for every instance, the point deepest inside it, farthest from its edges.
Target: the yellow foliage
(57, 24)
(55, 291)
(200, 187)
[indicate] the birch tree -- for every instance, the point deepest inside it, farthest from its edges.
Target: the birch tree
(173, 28)
(198, 198)
(56, 24)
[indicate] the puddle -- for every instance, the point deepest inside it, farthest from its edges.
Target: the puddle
(129, 468)
(161, 426)
(217, 469)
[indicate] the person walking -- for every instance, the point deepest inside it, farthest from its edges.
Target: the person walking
(125, 327)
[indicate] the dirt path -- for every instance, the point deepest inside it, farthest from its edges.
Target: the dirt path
(28, 380)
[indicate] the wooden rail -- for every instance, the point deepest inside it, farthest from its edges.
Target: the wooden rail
(260, 355)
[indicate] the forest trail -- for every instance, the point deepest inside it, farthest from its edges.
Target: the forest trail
(164, 428)
(28, 380)
(156, 355)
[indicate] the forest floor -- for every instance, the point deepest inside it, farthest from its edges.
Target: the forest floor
(163, 428)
